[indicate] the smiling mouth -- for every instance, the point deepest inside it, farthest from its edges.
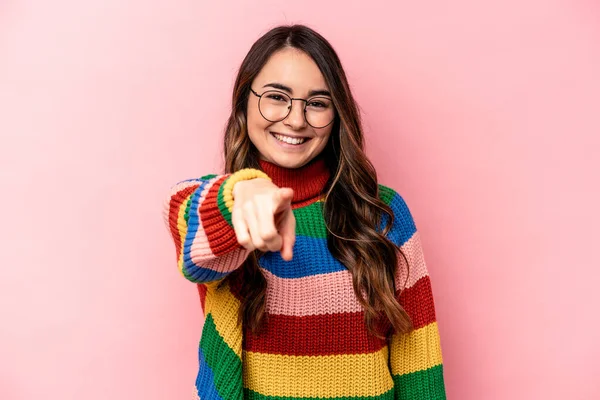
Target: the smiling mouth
(290, 140)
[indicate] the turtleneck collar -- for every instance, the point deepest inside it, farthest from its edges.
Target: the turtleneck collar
(307, 181)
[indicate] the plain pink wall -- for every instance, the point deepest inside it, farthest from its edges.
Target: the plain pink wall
(484, 115)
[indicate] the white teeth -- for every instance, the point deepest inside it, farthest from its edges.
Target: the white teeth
(289, 140)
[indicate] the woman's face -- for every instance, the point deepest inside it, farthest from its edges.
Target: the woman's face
(292, 142)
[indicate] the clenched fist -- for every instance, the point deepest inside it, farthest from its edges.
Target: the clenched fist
(262, 216)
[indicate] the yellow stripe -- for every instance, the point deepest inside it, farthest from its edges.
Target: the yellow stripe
(223, 306)
(182, 227)
(318, 376)
(416, 351)
(241, 175)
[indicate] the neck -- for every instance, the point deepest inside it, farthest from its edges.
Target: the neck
(308, 181)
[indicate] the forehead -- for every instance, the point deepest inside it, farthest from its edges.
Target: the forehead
(293, 68)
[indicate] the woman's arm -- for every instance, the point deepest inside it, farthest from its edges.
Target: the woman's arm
(415, 357)
(197, 214)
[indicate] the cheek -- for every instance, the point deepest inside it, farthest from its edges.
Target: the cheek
(251, 116)
(254, 124)
(255, 120)
(324, 136)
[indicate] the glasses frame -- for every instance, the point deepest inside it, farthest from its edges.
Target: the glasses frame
(290, 106)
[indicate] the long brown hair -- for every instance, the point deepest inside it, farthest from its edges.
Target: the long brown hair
(352, 208)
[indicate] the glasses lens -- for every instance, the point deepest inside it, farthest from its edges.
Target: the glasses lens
(319, 111)
(274, 105)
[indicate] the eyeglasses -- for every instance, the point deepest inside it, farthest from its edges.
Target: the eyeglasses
(275, 106)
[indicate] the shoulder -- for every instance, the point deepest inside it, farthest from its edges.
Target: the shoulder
(396, 202)
(403, 227)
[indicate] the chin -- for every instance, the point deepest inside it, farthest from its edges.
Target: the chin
(289, 162)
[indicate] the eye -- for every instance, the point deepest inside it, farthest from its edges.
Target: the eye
(317, 104)
(276, 97)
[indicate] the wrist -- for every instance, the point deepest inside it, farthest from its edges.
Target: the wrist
(240, 176)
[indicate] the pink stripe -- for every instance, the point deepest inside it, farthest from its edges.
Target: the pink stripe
(414, 253)
(200, 252)
(333, 293)
(311, 295)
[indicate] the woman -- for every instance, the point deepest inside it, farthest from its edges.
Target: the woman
(311, 274)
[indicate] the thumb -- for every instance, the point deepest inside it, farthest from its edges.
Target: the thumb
(282, 199)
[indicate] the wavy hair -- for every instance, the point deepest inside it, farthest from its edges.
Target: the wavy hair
(352, 208)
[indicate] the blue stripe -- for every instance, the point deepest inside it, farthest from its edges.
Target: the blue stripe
(205, 380)
(189, 180)
(404, 226)
(311, 257)
(193, 272)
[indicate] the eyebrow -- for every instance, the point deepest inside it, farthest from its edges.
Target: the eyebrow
(320, 92)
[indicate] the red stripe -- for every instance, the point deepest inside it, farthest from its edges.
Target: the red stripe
(343, 333)
(202, 292)
(221, 236)
(174, 206)
(417, 301)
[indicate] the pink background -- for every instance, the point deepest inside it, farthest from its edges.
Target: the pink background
(484, 115)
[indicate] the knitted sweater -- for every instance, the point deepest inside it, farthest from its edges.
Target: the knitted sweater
(315, 343)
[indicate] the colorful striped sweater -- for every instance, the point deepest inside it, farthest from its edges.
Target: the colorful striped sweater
(315, 343)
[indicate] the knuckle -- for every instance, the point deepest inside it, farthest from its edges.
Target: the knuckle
(248, 247)
(248, 206)
(265, 197)
(243, 239)
(269, 234)
(258, 243)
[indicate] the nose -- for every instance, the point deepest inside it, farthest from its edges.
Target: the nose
(295, 118)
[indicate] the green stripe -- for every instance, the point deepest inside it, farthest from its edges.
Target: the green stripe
(250, 395)
(186, 213)
(310, 221)
(421, 385)
(221, 203)
(208, 177)
(386, 194)
(222, 360)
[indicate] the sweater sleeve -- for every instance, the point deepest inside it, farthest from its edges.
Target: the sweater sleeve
(197, 213)
(415, 357)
